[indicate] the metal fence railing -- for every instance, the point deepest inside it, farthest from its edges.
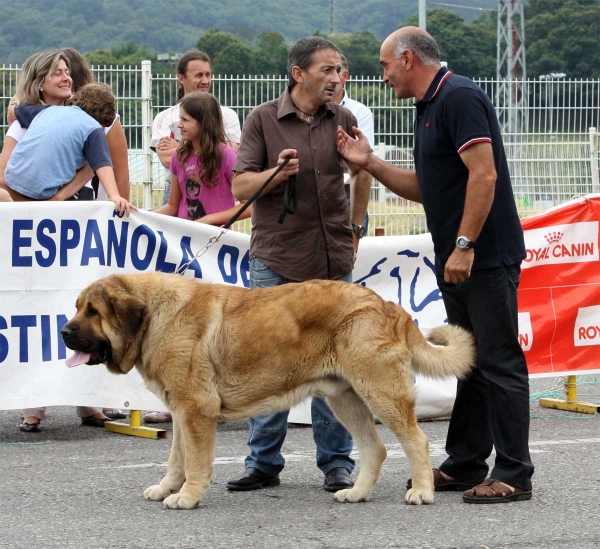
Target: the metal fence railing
(552, 157)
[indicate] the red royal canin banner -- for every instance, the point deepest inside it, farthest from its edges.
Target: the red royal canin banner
(559, 293)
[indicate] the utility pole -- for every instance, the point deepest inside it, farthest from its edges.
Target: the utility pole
(331, 16)
(511, 101)
(510, 69)
(422, 14)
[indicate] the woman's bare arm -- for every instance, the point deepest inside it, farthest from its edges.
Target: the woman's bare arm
(117, 146)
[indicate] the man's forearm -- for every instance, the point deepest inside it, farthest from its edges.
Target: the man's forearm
(401, 182)
(478, 203)
(360, 191)
(245, 184)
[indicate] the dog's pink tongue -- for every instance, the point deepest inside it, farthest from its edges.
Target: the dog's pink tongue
(77, 359)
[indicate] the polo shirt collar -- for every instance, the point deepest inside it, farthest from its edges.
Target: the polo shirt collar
(435, 86)
(286, 106)
(344, 99)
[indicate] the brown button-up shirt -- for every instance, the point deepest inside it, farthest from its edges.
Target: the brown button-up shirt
(316, 241)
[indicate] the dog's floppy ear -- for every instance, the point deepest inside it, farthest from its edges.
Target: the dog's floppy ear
(130, 313)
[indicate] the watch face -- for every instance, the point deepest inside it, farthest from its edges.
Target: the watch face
(462, 242)
(360, 231)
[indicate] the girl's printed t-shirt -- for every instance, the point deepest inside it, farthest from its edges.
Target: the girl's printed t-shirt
(197, 200)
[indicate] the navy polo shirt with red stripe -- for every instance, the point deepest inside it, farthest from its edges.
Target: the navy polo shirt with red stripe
(454, 114)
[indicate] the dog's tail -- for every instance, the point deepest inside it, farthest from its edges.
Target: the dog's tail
(448, 351)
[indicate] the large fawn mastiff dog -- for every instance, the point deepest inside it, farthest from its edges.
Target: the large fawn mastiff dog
(218, 353)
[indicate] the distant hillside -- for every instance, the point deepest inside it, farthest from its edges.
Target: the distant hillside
(27, 26)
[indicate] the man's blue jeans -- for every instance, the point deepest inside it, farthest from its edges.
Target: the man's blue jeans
(167, 193)
(267, 433)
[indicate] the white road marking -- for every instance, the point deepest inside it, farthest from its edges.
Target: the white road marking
(436, 449)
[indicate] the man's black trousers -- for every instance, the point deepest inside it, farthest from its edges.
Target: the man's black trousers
(492, 404)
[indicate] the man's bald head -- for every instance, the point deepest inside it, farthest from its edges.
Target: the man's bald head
(410, 59)
(420, 42)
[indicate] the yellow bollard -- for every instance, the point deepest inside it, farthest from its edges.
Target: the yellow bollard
(135, 428)
(570, 404)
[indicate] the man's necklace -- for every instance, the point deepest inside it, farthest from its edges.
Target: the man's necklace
(309, 117)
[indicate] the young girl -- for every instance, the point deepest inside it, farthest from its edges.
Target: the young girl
(202, 167)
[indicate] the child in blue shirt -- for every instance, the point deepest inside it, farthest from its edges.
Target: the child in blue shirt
(61, 140)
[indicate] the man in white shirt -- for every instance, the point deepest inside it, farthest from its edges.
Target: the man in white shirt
(364, 117)
(194, 75)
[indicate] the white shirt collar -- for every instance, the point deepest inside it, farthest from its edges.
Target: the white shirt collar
(343, 101)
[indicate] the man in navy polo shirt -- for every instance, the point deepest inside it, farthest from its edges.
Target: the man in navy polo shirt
(462, 180)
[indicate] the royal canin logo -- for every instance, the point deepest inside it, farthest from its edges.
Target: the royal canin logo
(572, 243)
(525, 331)
(587, 327)
(553, 236)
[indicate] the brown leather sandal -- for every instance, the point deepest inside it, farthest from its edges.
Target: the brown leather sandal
(493, 491)
(442, 484)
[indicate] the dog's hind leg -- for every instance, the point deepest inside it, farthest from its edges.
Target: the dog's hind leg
(399, 416)
(199, 439)
(358, 419)
(175, 477)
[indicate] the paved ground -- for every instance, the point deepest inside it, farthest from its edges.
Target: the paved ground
(81, 487)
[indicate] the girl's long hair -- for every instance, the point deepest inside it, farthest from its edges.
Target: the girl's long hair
(205, 109)
(81, 73)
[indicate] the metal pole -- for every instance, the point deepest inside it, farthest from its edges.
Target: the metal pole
(147, 133)
(380, 188)
(331, 16)
(135, 418)
(422, 14)
(594, 159)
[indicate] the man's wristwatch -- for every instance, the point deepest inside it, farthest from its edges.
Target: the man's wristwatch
(464, 243)
(359, 230)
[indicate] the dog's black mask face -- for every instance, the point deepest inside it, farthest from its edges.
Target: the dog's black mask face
(105, 327)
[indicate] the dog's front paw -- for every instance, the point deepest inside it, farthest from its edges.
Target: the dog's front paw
(180, 501)
(156, 493)
(418, 497)
(350, 495)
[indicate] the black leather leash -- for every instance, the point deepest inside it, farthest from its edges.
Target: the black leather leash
(289, 198)
(289, 206)
(290, 201)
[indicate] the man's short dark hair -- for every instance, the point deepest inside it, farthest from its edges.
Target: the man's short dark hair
(191, 55)
(345, 66)
(302, 52)
(98, 101)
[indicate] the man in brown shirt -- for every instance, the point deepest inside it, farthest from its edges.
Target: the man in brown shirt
(318, 241)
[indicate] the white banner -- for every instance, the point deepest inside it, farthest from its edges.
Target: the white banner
(50, 251)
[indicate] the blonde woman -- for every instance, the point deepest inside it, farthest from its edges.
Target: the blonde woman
(31, 89)
(45, 79)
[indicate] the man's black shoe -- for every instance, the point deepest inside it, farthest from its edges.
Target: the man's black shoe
(252, 479)
(337, 479)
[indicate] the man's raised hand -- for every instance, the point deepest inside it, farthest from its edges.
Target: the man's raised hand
(354, 149)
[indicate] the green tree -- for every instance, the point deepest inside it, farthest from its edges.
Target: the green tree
(271, 53)
(236, 58)
(362, 51)
(228, 53)
(128, 53)
(101, 58)
(563, 36)
(469, 50)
